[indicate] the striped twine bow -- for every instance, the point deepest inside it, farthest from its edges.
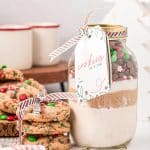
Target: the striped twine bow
(70, 43)
(48, 98)
(62, 49)
(26, 103)
(117, 34)
(22, 106)
(60, 96)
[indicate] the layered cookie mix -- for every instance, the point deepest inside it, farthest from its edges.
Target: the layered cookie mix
(110, 118)
(49, 128)
(116, 108)
(124, 75)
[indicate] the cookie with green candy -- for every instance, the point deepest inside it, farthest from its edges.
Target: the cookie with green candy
(3, 66)
(10, 74)
(3, 117)
(32, 138)
(46, 128)
(34, 84)
(51, 104)
(28, 82)
(50, 111)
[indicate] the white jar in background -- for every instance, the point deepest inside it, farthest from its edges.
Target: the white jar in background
(16, 46)
(45, 40)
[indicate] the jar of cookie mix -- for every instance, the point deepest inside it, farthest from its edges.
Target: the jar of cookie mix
(108, 120)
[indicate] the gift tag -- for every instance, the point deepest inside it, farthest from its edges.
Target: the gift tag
(92, 64)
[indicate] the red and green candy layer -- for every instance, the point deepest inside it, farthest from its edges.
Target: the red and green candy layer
(118, 53)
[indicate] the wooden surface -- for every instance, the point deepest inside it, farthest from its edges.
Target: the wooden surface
(48, 74)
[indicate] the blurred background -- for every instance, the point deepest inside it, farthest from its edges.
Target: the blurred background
(70, 15)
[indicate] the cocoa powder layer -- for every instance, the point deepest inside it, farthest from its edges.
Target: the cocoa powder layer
(115, 99)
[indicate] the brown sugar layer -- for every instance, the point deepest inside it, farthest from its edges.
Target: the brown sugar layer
(114, 100)
(8, 128)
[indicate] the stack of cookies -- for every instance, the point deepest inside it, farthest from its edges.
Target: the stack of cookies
(49, 128)
(13, 89)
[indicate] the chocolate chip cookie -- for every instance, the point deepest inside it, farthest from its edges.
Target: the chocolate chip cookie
(48, 128)
(58, 142)
(9, 74)
(49, 112)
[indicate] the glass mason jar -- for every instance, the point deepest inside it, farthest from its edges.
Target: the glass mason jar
(108, 120)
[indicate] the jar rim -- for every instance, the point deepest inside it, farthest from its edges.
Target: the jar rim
(111, 27)
(113, 30)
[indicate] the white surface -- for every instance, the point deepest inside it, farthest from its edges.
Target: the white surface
(142, 137)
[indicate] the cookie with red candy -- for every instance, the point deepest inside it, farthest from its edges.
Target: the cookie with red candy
(9, 74)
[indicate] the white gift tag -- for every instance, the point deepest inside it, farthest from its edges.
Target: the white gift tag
(92, 66)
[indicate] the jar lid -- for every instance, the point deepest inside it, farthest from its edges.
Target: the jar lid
(13, 27)
(113, 31)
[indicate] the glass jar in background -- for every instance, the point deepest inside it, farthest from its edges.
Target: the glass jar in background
(108, 120)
